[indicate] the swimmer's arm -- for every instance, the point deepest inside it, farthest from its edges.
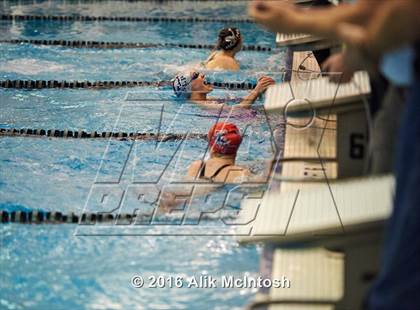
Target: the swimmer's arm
(270, 166)
(209, 103)
(245, 176)
(262, 85)
(173, 196)
(238, 175)
(234, 175)
(248, 100)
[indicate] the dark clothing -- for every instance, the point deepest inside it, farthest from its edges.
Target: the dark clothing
(214, 175)
(398, 284)
(322, 55)
(383, 135)
(379, 86)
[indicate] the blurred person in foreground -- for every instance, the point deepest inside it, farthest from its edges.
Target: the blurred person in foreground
(386, 34)
(393, 36)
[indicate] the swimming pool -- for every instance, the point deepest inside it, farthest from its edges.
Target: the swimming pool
(46, 266)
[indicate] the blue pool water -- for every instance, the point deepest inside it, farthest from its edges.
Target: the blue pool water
(47, 266)
(30, 62)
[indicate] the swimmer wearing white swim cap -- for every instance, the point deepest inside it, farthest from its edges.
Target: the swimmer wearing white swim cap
(192, 86)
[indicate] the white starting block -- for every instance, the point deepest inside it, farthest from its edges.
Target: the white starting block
(299, 42)
(332, 209)
(283, 39)
(347, 217)
(316, 280)
(345, 104)
(317, 93)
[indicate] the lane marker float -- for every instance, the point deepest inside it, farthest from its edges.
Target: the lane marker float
(104, 44)
(71, 134)
(40, 84)
(55, 217)
(64, 18)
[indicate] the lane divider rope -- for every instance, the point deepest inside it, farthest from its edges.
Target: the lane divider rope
(46, 217)
(157, 1)
(65, 18)
(40, 84)
(71, 134)
(103, 44)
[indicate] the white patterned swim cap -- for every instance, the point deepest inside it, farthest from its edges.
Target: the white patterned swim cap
(182, 85)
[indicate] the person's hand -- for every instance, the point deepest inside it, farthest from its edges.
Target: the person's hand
(277, 16)
(394, 24)
(263, 83)
(356, 59)
(167, 201)
(336, 65)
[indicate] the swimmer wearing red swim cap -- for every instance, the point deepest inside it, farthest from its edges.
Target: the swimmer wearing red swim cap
(224, 138)
(224, 141)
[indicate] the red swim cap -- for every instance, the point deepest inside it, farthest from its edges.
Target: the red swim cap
(224, 138)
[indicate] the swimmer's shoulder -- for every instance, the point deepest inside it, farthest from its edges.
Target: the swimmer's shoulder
(194, 168)
(210, 58)
(221, 62)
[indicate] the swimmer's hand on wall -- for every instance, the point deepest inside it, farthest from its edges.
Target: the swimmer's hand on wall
(263, 83)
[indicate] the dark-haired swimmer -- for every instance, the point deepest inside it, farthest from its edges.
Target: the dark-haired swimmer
(224, 140)
(228, 45)
(192, 86)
